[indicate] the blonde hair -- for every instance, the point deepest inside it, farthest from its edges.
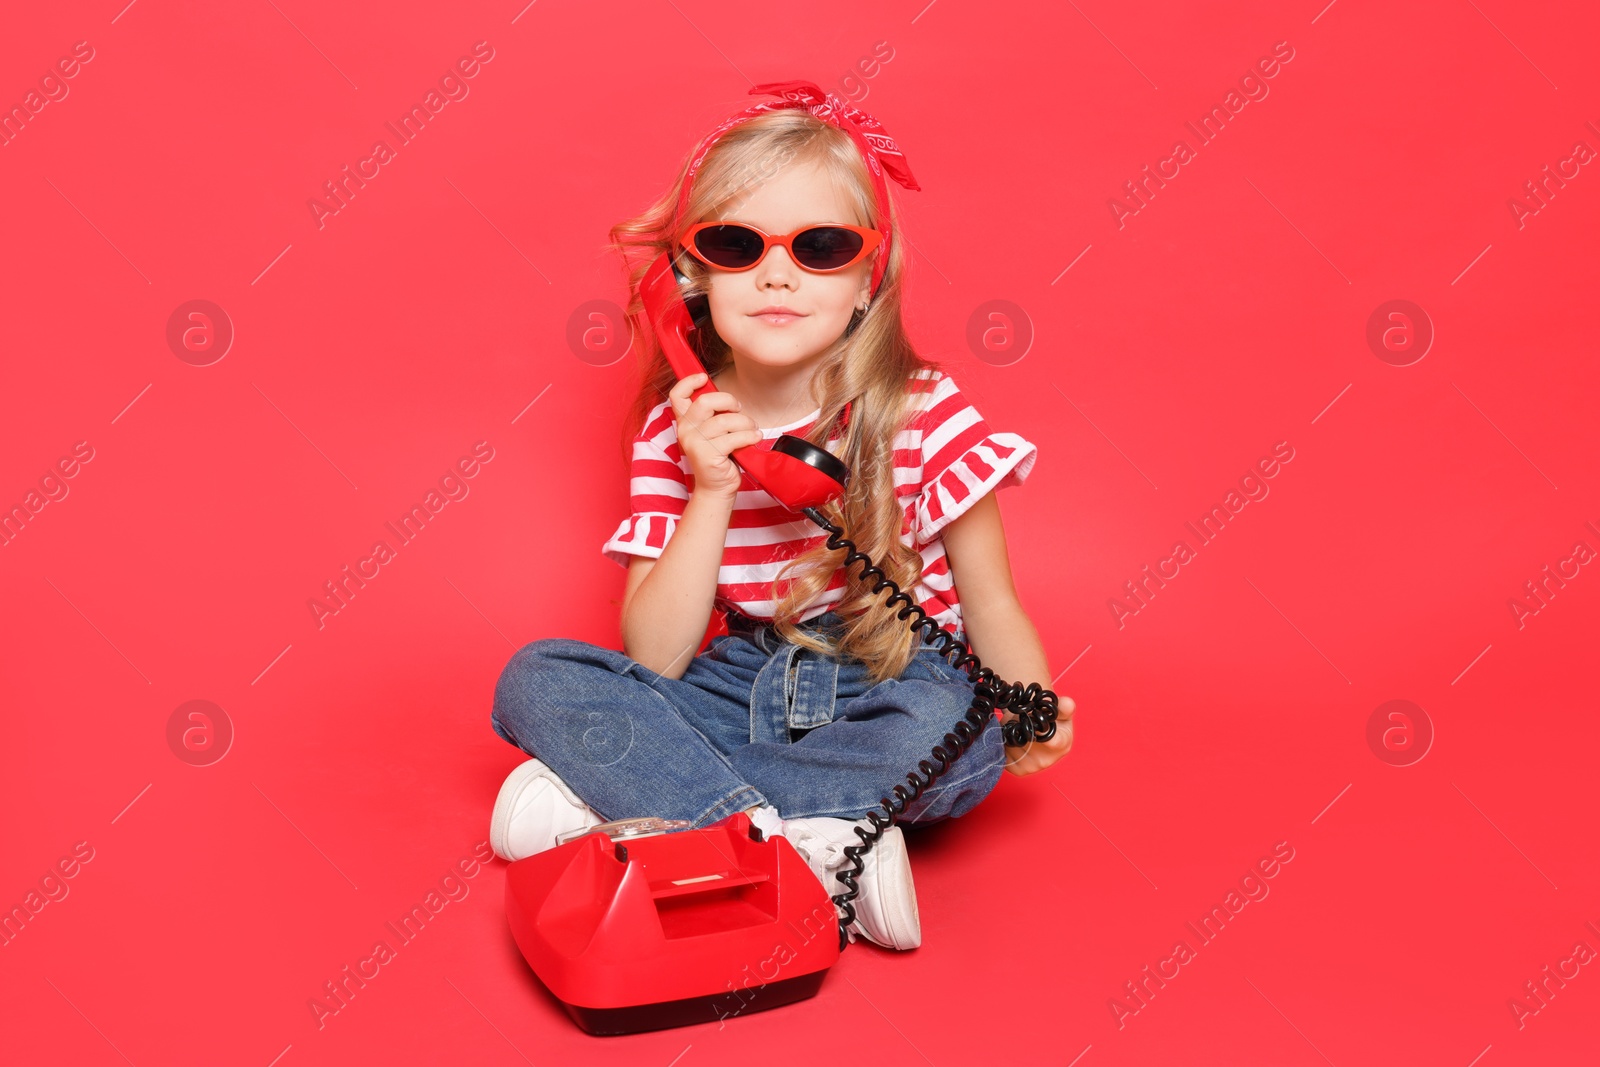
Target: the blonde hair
(869, 366)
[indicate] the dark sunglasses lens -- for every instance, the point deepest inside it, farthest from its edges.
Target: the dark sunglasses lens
(826, 247)
(729, 246)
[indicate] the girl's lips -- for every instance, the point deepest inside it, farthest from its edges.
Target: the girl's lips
(777, 316)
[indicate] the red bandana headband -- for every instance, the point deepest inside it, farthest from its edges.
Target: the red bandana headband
(878, 149)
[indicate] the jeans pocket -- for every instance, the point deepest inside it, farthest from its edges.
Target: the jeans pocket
(940, 667)
(927, 665)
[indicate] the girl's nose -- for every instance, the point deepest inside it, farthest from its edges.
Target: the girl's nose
(776, 266)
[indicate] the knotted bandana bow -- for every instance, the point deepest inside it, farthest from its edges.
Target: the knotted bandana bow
(879, 150)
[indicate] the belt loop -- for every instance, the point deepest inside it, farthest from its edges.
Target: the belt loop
(769, 700)
(816, 682)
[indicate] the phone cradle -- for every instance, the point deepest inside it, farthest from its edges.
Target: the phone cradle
(670, 927)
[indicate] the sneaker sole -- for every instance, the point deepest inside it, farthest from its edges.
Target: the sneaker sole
(895, 883)
(523, 777)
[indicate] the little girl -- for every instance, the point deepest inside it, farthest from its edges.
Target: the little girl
(818, 700)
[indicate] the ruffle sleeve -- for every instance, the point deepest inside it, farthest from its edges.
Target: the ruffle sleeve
(641, 534)
(658, 490)
(963, 458)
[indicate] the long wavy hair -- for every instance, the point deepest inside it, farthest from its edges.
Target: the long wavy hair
(868, 365)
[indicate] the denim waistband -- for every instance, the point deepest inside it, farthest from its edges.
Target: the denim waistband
(830, 622)
(739, 623)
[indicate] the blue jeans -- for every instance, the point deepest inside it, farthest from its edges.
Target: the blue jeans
(754, 719)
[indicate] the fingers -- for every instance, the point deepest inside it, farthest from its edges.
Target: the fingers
(1037, 755)
(723, 442)
(732, 423)
(732, 442)
(714, 417)
(701, 406)
(679, 393)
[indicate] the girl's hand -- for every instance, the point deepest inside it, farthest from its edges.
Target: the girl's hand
(708, 429)
(1037, 755)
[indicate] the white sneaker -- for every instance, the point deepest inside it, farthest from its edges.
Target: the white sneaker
(534, 806)
(886, 900)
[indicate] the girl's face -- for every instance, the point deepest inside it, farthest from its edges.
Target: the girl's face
(799, 195)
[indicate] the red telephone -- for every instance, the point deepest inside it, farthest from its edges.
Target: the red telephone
(796, 472)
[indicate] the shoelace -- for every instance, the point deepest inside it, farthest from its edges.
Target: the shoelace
(814, 846)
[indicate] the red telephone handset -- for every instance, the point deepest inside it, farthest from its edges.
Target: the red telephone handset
(794, 471)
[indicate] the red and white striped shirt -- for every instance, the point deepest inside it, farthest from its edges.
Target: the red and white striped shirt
(946, 458)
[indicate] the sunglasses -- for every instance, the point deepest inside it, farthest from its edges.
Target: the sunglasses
(821, 249)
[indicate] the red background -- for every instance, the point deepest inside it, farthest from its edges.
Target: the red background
(433, 311)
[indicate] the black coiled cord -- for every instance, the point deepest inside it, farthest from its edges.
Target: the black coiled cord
(1034, 706)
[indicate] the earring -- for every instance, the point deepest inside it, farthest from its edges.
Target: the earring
(855, 319)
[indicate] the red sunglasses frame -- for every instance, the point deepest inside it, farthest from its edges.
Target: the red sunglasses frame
(870, 240)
